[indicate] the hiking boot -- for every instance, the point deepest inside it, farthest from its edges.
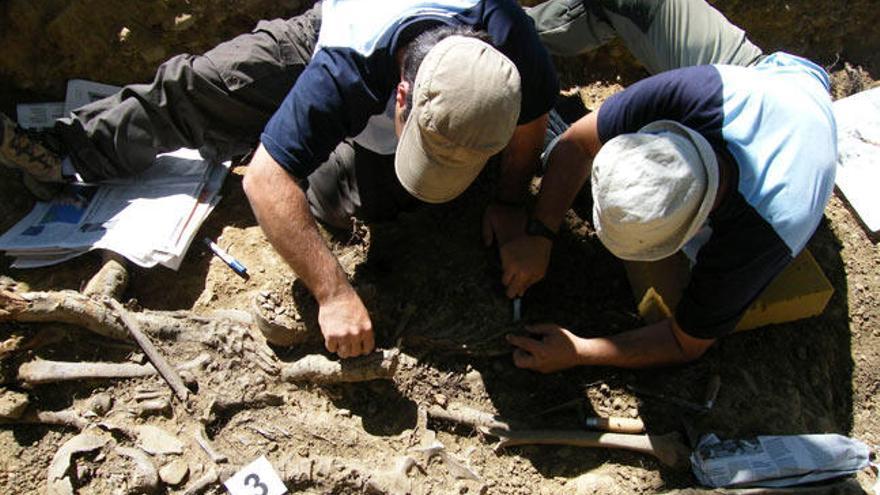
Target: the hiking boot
(44, 191)
(22, 152)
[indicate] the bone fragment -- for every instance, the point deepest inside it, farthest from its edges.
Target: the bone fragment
(404, 464)
(203, 483)
(76, 309)
(145, 478)
(458, 469)
(162, 366)
(63, 307)
(202, 439)
(668, 448)
(150, 393)
(470, 417)
(67, 417)
(156, 441)
(111, 280)
(160, 405)
(58, 481)
(335, 475)
(319, 369)
(262, 399)
(39, 372)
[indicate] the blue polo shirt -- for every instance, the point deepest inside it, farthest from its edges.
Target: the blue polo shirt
(773, 121)
(347, 89)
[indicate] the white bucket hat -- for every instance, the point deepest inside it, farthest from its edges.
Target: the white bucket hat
(653, 190)
(466, 104)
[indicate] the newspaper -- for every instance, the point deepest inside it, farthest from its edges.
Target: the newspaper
(81, 92)
(858, 157)
(39, 116)
(777, 461)
(150, 219)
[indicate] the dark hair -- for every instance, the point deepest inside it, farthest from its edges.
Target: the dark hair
(418, 48)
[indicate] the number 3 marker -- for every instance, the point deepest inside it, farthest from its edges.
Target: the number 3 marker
(257, 478)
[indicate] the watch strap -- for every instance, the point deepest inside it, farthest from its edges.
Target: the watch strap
(535, 227)
(510, 204)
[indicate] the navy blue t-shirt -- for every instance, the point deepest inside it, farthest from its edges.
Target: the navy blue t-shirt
(774, 122)
(347, 89)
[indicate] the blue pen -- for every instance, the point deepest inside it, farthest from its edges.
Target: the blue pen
(223, 255)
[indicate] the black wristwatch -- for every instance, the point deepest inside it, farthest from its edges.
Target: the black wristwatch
(536, 227)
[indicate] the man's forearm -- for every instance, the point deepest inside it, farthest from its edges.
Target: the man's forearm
(566, 175)
(520, 159)
(645, 347)
(283, 213)
(569, 167)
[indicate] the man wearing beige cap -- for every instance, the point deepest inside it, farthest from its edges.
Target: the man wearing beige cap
(732, 164)
(327, 94)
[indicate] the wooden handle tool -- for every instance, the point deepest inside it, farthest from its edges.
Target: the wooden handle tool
(616, 425)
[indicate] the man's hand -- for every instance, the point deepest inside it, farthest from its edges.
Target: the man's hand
(524, 262)
(503, 223)
(346, 326)
(554, 349)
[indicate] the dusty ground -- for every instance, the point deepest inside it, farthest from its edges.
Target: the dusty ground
(433, 292)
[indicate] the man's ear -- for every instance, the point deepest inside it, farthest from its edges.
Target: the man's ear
(402, 92)
(400, 106)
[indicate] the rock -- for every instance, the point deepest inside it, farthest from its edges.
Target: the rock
(174, 472)
(183, 22)
(144, 478)
(12, 404)
(591, 483)
(474, 379)
(124, 35)
(100, 403)
(156, 441)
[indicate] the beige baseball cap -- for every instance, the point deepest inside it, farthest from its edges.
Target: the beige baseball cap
(653, 190)
(466, 104)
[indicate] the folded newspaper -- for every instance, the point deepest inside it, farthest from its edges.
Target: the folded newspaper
(150, 218)
(777, 461)
(858, 149)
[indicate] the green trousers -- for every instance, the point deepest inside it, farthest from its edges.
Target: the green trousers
(661, 34)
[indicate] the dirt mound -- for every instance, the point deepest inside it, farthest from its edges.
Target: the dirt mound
(48, 42)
